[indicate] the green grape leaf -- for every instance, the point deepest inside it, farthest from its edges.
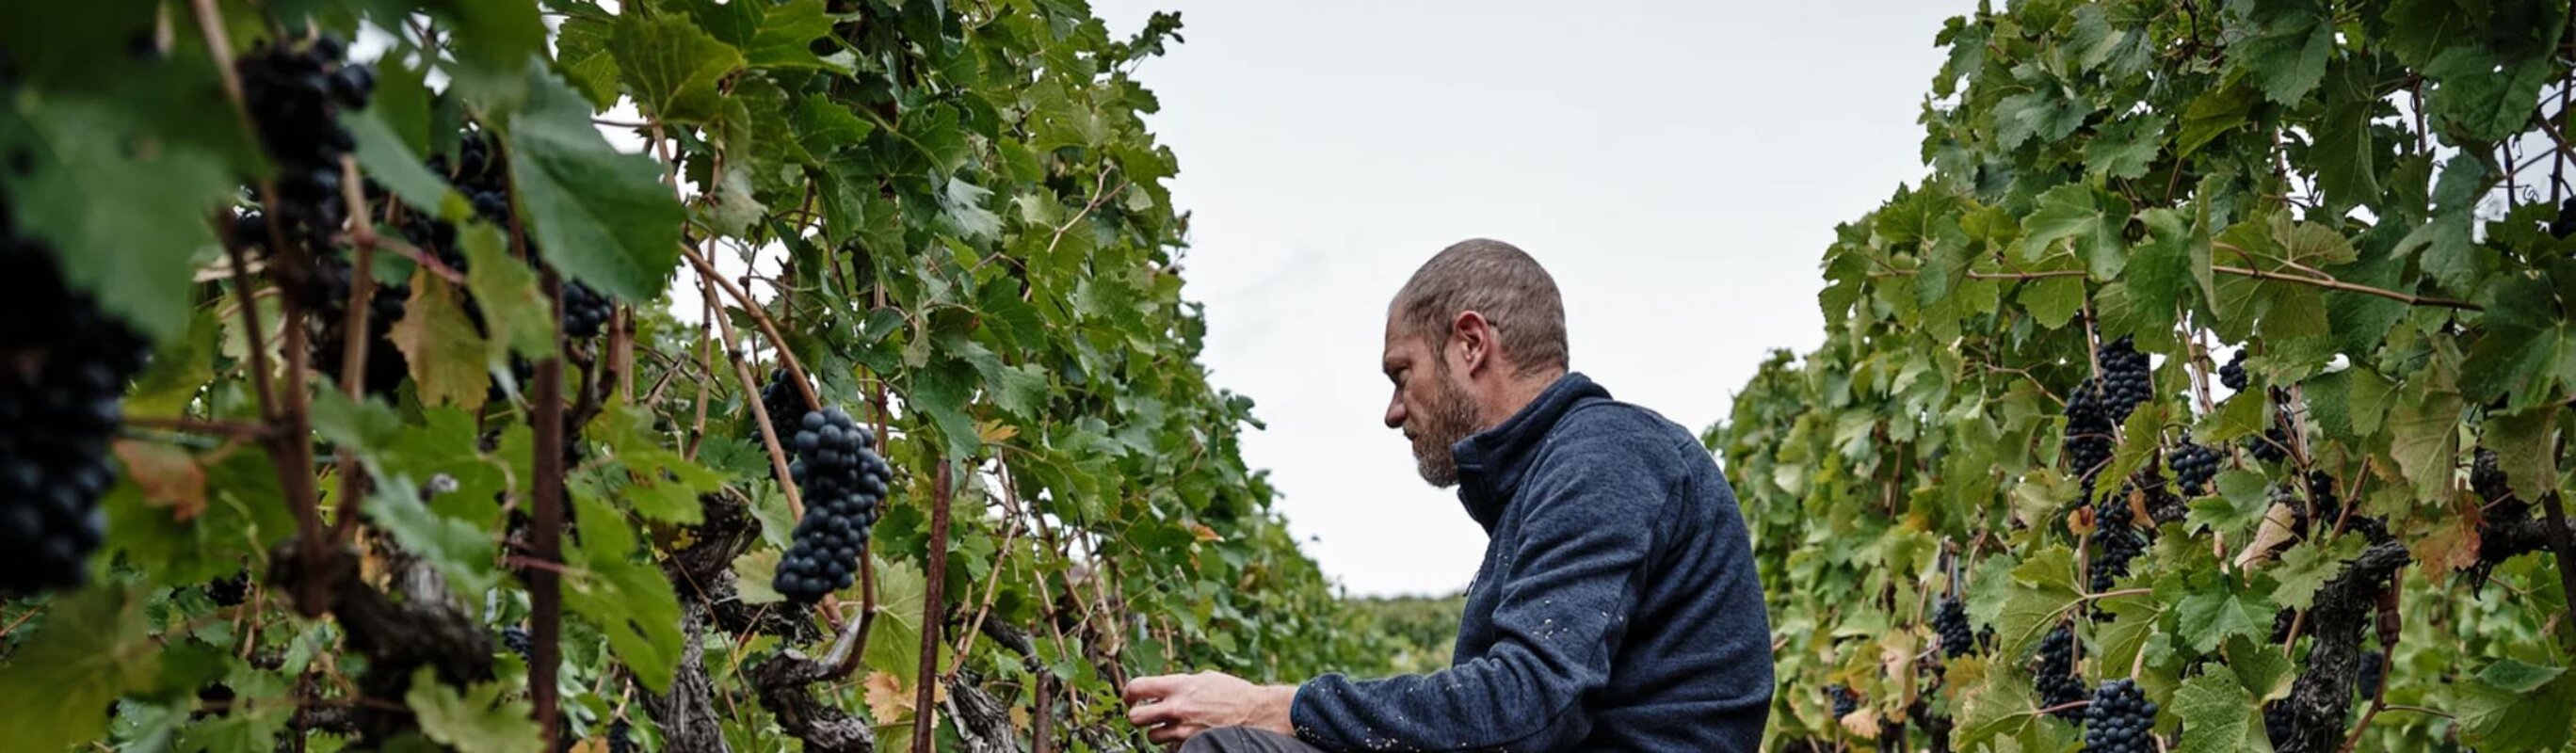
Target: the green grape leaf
(2043, 589)
(2047, 115)
(582, 45)
(2240, 415)
(775, 35)
(180, 367)
(2495, 709)
(96, 644)
(661, 484)
(479, 721)
(2242, 497)
(602, 217)
(2286, 55)
(360, 424)
(388, 161)
(671, 66)
(2349, 404)
(2211, 115)
(2482, 95)
(2424, 437)
(2208, 617)
(629, 601)
(2524, 444)
(2092, 220)
(2260, 668)
(459, 549)
(2348, 158)
(2307, 566)
(2124, 148)
(133, 252)
(446, 354)
(514, 310)
(2052, 301)
(2218, 715)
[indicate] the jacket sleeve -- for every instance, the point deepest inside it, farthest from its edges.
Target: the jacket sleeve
(1589, 531)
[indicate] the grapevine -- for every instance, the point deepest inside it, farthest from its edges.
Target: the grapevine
(425, 360)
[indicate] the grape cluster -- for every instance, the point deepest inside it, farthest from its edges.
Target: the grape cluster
(2372, 672)
(2565, 223)
(2272, 447)
(619, 737)
(2324, 510)
(2486, 475)
(2115, 541)
(2276, 722)
(785, 403)
(63, 367)
(1951, 622)
(2233, 374)
(585, 311)
(516, 638)
(2089, 425)
(2193, 466)
(295, 97)
(2125, 379)
(2121, 720)
(1844, 701)
(229, 591)
(2058, 683)
(842, 480)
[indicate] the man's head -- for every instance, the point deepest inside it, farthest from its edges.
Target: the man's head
(1475, 335)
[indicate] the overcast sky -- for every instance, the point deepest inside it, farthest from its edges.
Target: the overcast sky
(1678, 166)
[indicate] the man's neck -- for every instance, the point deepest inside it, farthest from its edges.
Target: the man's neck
(1514, 394)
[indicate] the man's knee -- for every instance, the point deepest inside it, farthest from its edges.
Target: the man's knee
(1235, 740)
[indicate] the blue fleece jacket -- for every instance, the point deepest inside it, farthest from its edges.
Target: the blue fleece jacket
(1617, 608)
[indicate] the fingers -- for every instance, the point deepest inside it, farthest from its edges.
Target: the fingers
(1155, 712)
(1174, 734)
(1156, 686)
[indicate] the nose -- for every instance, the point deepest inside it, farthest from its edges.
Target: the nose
(1395, 410)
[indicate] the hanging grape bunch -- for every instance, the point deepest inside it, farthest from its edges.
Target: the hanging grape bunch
(2372, 672)
(784, 402)
(843, 481)
(2125, 380)
(2272, 447)
(1844, 701)
(2233, 374)
(2088, 433)
(295, 98)
(1951, 621)
(2055, 676)
(63, 368)
(2121, 720)
(2193, 466)
(2565, 223)
(2114, 541)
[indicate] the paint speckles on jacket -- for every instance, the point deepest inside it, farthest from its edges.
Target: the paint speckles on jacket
(1616, 610)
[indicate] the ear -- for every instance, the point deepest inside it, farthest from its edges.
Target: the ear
(1475, 339)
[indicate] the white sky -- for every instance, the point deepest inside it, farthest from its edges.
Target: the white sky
(1678, 166)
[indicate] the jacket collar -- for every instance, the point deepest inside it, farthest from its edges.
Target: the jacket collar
(1492, 463)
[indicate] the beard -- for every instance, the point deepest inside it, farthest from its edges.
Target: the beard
(1438, 427)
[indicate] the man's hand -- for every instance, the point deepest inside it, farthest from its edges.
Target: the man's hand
(1174, 708)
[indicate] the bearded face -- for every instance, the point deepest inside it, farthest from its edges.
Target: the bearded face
(1442, 418)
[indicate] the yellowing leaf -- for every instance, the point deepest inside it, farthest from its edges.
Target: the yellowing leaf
(447, 356)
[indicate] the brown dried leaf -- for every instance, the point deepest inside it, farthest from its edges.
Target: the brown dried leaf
(169, 476)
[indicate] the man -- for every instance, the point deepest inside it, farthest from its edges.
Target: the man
(1617, 608)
